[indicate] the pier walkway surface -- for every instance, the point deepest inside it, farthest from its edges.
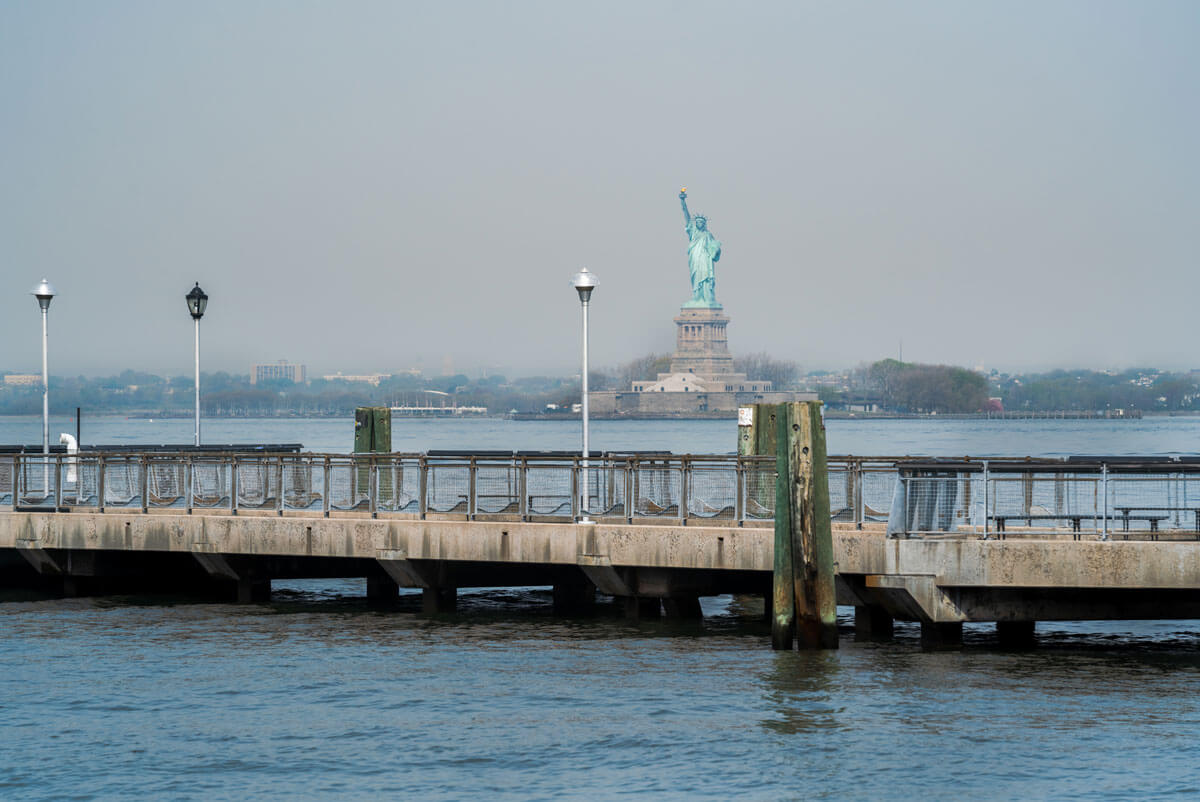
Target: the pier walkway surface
(230, 524)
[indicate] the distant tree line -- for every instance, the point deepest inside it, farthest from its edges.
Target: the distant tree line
(1146, 389)
(223, 394)
(912, 387)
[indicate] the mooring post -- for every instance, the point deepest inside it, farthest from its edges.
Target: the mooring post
(803, 602)
(812, 528)
(783, 624)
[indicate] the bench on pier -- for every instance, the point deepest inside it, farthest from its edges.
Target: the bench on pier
(1126, 513)
(1076, 520)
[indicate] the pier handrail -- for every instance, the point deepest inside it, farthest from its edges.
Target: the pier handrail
(630, 486)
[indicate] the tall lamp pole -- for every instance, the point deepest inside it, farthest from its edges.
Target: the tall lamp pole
(44, 293)
(584, 283)
(197, 302)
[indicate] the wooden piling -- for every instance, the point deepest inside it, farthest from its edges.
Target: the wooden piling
(803, 602)
(783, 602)
(812, 528)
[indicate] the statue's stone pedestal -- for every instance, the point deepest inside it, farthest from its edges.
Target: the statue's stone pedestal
(701, 344)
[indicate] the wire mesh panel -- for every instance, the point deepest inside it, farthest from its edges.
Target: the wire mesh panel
(1154, 502)
(303, 483)
(122, 482)
(548, 489)
(878, 486)
(257, 482)
(760, 491)
(842, 492)
(656, 489)
(606, 489)
(37, 480)
(79, 481)
(497, 489)
(937, 503)
(7, 479)
(349, 485)
(1033, 502)
(210, 482)
(712, 491)
(448, 488)
(166, 482)
(398, 484)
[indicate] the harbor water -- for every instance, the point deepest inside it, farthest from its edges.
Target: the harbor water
(315, 695)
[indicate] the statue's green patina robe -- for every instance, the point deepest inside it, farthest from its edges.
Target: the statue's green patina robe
(703, 252)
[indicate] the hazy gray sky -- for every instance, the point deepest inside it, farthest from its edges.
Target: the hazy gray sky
(370, 186)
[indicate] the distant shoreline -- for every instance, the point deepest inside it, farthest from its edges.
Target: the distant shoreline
(575, 416)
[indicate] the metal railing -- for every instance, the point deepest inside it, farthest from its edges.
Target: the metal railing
(1101, 500)
(649, 488)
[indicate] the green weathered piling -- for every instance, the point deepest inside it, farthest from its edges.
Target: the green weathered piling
(372, 430)
(812, 528)
(783, 602)
(372, 435)
(803, 598)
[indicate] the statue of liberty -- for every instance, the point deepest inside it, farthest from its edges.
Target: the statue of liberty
(703, 254)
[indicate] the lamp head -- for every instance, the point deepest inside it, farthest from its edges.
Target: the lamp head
(584, 282)
(197, 301)
(44, 293)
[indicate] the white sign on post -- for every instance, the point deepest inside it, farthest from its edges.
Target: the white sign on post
(745, 416)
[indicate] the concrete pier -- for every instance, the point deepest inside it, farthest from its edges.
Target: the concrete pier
(651, 569)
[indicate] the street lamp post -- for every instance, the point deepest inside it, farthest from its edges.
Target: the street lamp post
(44, 293)
(197, 302)
(584, 283)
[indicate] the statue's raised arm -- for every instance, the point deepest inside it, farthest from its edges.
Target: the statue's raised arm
(687, 218)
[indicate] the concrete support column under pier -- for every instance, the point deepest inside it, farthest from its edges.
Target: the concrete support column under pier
(251, 590)
(872, 623)
(574, 597)
(382, 590)
(638, 608)
(941, 635)
(1016, 634)
(439, 599)
(683, 608)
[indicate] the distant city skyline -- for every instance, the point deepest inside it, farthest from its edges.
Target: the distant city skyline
(372, 187)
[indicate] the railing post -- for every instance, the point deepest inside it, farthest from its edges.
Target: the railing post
(325, 471)
(685, 473)
(58, 482)
(739, 499)
(373, 487)
(630, 492)
(472, 474)
(279, 485)
(233, 485)
(189, 480)
(16, 490)
(575, 489)
(100, 482)
(860, 512)
(422, 487)
(523, 488)
(1104, 487)
(986, 499)
(143, 461)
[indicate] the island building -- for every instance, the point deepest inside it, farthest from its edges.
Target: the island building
(701, 381)
(22, 379)
(372, 379)
(289, 371)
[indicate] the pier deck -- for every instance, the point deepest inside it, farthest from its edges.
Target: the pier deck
(471, 523)
(939, 582)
